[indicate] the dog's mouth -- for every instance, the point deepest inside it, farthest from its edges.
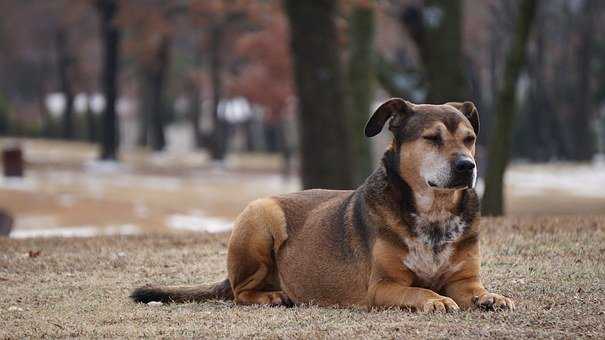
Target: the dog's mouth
(448, 187)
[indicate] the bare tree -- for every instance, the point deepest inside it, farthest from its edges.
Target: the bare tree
(158, 83)
(436, 28)
(584, 141)
(361, 83)
(324, 136)
(65, 61)
(506, 107)
(111, 57)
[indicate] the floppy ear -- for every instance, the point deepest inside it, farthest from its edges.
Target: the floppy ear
(469, 110)
(386, 110)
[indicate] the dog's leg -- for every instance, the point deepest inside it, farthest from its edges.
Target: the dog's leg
(257, 234)
(466, 289)
(390, 284)
(469, 292)
(391, 294)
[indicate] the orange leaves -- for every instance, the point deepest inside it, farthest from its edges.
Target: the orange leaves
(266, 77)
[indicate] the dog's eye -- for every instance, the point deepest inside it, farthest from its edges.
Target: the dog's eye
(469, 140)
(436, 139)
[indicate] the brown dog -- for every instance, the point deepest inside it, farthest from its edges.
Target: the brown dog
(408, 237)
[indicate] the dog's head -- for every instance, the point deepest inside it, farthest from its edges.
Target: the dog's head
(435, 144)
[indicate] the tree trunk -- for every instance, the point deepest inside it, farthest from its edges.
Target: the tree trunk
(144, 109)
(91, 123)
(194, 90)
(157, 80)
(584, 141)
(195, 112)
(111, 55)
(437, 31)
(506, 106)
(398, 82)
(361, 85)
(65, 63)
(218, 139)
(325, 136)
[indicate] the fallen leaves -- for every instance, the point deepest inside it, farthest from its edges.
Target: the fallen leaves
(33, 253)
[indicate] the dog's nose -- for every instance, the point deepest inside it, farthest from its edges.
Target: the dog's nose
(464, 164)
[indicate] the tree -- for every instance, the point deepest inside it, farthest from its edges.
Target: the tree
(157, 80)
(324, 131)
(361, 83)
(218, 139)
(436, 29)
(506, 107)
(111, 56)
(218, 19)
(584, 140)
(266, 78)
(151, 28)
(193, 88)
(65, 61)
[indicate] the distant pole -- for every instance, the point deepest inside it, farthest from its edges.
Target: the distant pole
(506, 108)
(111, 42)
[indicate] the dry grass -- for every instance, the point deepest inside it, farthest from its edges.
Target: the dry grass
(553, 267)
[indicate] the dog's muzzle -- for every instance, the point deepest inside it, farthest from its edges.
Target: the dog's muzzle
(464, 172)
(457, 173)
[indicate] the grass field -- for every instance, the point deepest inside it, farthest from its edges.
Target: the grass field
(553, 267)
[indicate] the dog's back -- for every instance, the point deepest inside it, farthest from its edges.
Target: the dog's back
(328, 244)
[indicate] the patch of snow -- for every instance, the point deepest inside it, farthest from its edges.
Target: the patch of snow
(160, 182)
(577, 180)
(82, 231)
(18, 183)
(154, 303)
(161, 159)
(97, 166)
(149, 182)
(198, 222)
(35, 221)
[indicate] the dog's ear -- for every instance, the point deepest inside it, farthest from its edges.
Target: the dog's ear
(394, 107)
(469, 110)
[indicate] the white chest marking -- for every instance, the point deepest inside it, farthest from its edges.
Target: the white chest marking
(424, 262)
(430, 251)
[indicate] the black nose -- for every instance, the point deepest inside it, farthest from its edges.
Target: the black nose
(464, 164)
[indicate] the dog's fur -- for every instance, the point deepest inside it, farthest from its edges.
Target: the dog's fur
(407, 237)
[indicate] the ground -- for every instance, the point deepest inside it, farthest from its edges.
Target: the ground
(147, 205)
(67, 192)
(554, 268)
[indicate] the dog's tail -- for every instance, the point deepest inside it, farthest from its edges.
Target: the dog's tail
(169, 294)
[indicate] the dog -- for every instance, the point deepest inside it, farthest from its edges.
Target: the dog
(407, 237)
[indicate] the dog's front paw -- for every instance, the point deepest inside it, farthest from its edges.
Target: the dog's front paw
(439, 305)
(492, 301)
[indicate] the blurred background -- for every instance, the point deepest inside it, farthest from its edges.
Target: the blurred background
(133, 116)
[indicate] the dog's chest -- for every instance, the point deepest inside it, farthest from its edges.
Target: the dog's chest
(430, 250)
